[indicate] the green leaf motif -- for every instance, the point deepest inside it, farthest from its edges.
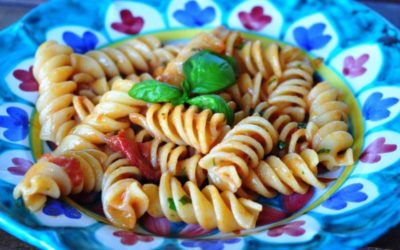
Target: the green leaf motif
(208, 72)
(154, 91)
(171, 204)
(215, 103)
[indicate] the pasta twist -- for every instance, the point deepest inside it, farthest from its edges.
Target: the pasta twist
(246, 92)
(207, 207)
(59, 175)
(55, 105)
(142, 54)
(182, 126)
(173, 158)
(242, 148)
(123, 198)
(291, 138)
(110, 115)
(268, 61)
(327, 127)
(290, 173)
(289, 91)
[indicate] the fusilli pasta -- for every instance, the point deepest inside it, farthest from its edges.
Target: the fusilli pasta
(242, 148)
(182, 126)
(327, 127)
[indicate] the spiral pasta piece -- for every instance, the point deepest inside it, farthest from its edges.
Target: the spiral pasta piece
(141, 54)
(246, 92)
(55, 105)
(108, 116)
(241, 149)
(198, 129)
(59, 175)
(123, 198)
(292, 138)
(270, 60)
(285, 175)
(170, 157)
(327, 130)
(208, 207)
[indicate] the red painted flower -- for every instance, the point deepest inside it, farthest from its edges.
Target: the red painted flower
(355, 67)
(293, 229)
(131, 238)
(28, 81)
(294, 202)
(269, 215)
(130, 24)
(255, 19)
(372, 153)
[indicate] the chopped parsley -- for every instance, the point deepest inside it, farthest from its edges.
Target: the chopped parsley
(240, 46)
(272, 79)
(281, 145)
(185, 200)
(301, 125)
(171, 204)
(324, 151)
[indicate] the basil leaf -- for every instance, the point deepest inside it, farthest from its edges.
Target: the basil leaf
(215, 103)
(233, 62)
(154, 91)
(207, 72)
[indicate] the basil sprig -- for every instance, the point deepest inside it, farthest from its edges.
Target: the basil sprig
(154, 91)
(205, 72)
(215, 103)
(208, 72)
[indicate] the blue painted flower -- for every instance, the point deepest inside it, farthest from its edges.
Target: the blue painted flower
(16, 124)
(56, 208)
(311, 38)
(350, 193)
(209, 244)
(375, 108)
(81, 45)
(193, 16)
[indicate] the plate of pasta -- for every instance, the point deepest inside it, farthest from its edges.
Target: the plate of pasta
(192, 124)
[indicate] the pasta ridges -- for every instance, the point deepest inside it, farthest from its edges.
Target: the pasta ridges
(198, 129)
(291, 173)
(241, 149)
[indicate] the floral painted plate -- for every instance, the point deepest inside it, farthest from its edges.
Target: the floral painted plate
(361, 57)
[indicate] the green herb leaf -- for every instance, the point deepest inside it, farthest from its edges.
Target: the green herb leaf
(240, 46)
(185, 200)
(186, 93)
(208, 72)
(281, 145)
(171, 204)
(324, 151)
(301, 125)
(154, 91)
(215, 103)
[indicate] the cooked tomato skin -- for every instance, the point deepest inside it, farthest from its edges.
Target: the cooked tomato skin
(71, 166)
(138, 154)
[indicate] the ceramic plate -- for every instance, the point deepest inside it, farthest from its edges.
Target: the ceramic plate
(361, 57)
